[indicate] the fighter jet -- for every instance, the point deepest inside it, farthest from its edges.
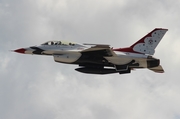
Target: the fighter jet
(101, 58)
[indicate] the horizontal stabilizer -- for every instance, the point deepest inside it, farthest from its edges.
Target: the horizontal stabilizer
(157, 69)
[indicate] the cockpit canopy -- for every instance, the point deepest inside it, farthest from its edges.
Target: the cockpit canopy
(59, 43)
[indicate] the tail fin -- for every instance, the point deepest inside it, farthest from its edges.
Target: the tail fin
(147, 44)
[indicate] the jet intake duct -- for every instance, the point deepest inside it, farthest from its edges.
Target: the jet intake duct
(153, 63)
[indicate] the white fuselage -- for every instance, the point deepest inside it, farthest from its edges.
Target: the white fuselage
(97, 57)
(71, 53)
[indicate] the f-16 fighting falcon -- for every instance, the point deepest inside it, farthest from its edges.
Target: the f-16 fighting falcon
(101, 58)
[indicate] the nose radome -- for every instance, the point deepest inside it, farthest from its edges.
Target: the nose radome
(21, 50)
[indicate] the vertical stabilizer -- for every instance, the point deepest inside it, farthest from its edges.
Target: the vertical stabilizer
(147, 44)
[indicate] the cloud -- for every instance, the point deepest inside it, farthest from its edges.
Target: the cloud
(37, 87)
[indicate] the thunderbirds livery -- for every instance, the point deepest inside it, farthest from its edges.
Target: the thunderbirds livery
(102, 59)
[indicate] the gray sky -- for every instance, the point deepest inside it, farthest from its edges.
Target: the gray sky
(37, 87)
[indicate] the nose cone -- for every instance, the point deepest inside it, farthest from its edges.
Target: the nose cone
(21, 50)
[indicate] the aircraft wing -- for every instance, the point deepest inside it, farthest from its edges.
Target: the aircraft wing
(99, 50)
(95, 56)
(103, 54)
(94, 59)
